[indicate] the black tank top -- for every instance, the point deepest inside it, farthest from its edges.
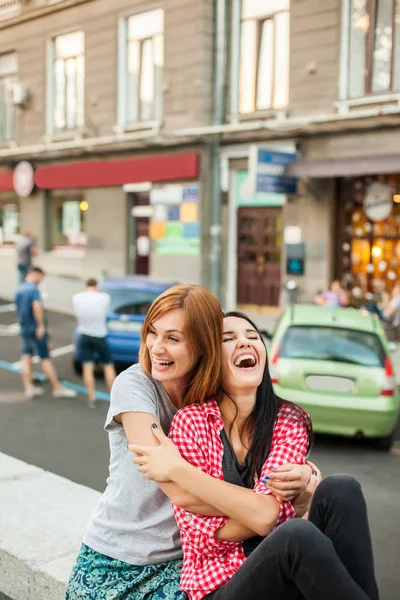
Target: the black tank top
(238, 474)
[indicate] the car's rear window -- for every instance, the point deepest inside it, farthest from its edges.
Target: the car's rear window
(131, 302)
(334, 344)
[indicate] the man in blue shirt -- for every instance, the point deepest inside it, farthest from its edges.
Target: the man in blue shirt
(34, 337)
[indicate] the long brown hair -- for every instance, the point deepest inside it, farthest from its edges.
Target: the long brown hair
(204, 326)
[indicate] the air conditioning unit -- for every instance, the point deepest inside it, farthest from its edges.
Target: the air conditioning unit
(16, 94)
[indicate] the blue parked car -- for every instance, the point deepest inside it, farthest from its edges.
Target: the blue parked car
(131, 297)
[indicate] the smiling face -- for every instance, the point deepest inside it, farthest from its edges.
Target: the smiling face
(171, 354)
(243, 356)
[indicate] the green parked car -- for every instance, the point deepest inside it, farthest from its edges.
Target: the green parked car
(335, 363)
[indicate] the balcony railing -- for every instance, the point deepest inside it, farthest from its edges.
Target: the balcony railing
(10, 9)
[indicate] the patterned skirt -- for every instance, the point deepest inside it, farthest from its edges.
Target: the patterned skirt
(98, 577)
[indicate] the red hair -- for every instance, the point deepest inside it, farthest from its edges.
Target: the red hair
(204, 326)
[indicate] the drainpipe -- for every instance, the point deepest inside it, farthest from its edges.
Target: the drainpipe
(219, 80)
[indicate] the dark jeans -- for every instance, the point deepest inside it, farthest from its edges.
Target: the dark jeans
(22, 272)
(328, 557)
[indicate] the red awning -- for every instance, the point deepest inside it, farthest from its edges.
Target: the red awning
(172, 167)
(6, 181)
(345, 167)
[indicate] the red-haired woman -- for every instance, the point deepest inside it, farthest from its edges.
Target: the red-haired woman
(251, 547)
(132, 548)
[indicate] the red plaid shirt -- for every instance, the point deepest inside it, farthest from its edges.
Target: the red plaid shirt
(210, 563)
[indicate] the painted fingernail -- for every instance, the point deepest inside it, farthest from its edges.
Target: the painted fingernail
(266, 478)
(274, 468)
(155, 426)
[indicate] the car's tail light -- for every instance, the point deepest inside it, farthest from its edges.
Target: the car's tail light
(389, 387)
(273, 365)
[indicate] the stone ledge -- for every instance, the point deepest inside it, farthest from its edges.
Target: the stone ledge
(42, 521)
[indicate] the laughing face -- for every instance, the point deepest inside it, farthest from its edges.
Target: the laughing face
(243, 356)
(171, 354)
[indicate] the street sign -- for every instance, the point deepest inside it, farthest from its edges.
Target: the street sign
(245, 197)
(267, 171)
(23, 179)
(295, 258)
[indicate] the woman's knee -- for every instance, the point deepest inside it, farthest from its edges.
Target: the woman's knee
(342, 488)
(298, 530)
(299, 537)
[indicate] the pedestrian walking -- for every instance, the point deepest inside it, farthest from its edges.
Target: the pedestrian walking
(132, 548)
(391, 313)
(91, 308)
(255, 548)
(25, 247)
(335, 297)
(34, 337)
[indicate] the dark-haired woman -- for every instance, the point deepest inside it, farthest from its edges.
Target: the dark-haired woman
(254, 548)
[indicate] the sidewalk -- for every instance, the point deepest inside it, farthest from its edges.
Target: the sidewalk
(57, 291)
(42, 522)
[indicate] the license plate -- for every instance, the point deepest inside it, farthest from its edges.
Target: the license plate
(327, 383)
(124, 326)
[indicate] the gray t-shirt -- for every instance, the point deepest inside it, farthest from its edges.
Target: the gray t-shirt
(24, 247)
(133, 521)
(91, 310)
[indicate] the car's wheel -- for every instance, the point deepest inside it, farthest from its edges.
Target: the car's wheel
(77, 366)
(384, 443)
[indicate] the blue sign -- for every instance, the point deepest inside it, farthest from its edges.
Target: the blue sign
(174, 212)
(191, 230)
(296, 255)
(190, 193)
(295, 266)
(267, 170)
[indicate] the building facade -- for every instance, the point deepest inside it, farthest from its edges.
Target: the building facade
(91, 98)
(144, 122)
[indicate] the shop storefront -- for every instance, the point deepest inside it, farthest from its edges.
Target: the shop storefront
(110, 217)
(66, 216)
(368, 233)
(164, 229)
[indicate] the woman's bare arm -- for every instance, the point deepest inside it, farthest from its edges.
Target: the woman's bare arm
(138, 430)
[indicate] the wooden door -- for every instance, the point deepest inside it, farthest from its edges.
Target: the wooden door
(259, 256)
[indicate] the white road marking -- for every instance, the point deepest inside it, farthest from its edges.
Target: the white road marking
(7, 308)
(6, 330)
(63, 350)
(54, 353)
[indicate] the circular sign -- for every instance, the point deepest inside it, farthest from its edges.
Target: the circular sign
(23, 179)
(378, 201)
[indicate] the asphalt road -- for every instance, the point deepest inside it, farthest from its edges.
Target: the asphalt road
(65, 437)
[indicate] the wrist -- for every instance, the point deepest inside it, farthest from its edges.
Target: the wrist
(303, 499)
(177, 469)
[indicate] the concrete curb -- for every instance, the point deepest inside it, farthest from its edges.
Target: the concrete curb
(42, 521)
